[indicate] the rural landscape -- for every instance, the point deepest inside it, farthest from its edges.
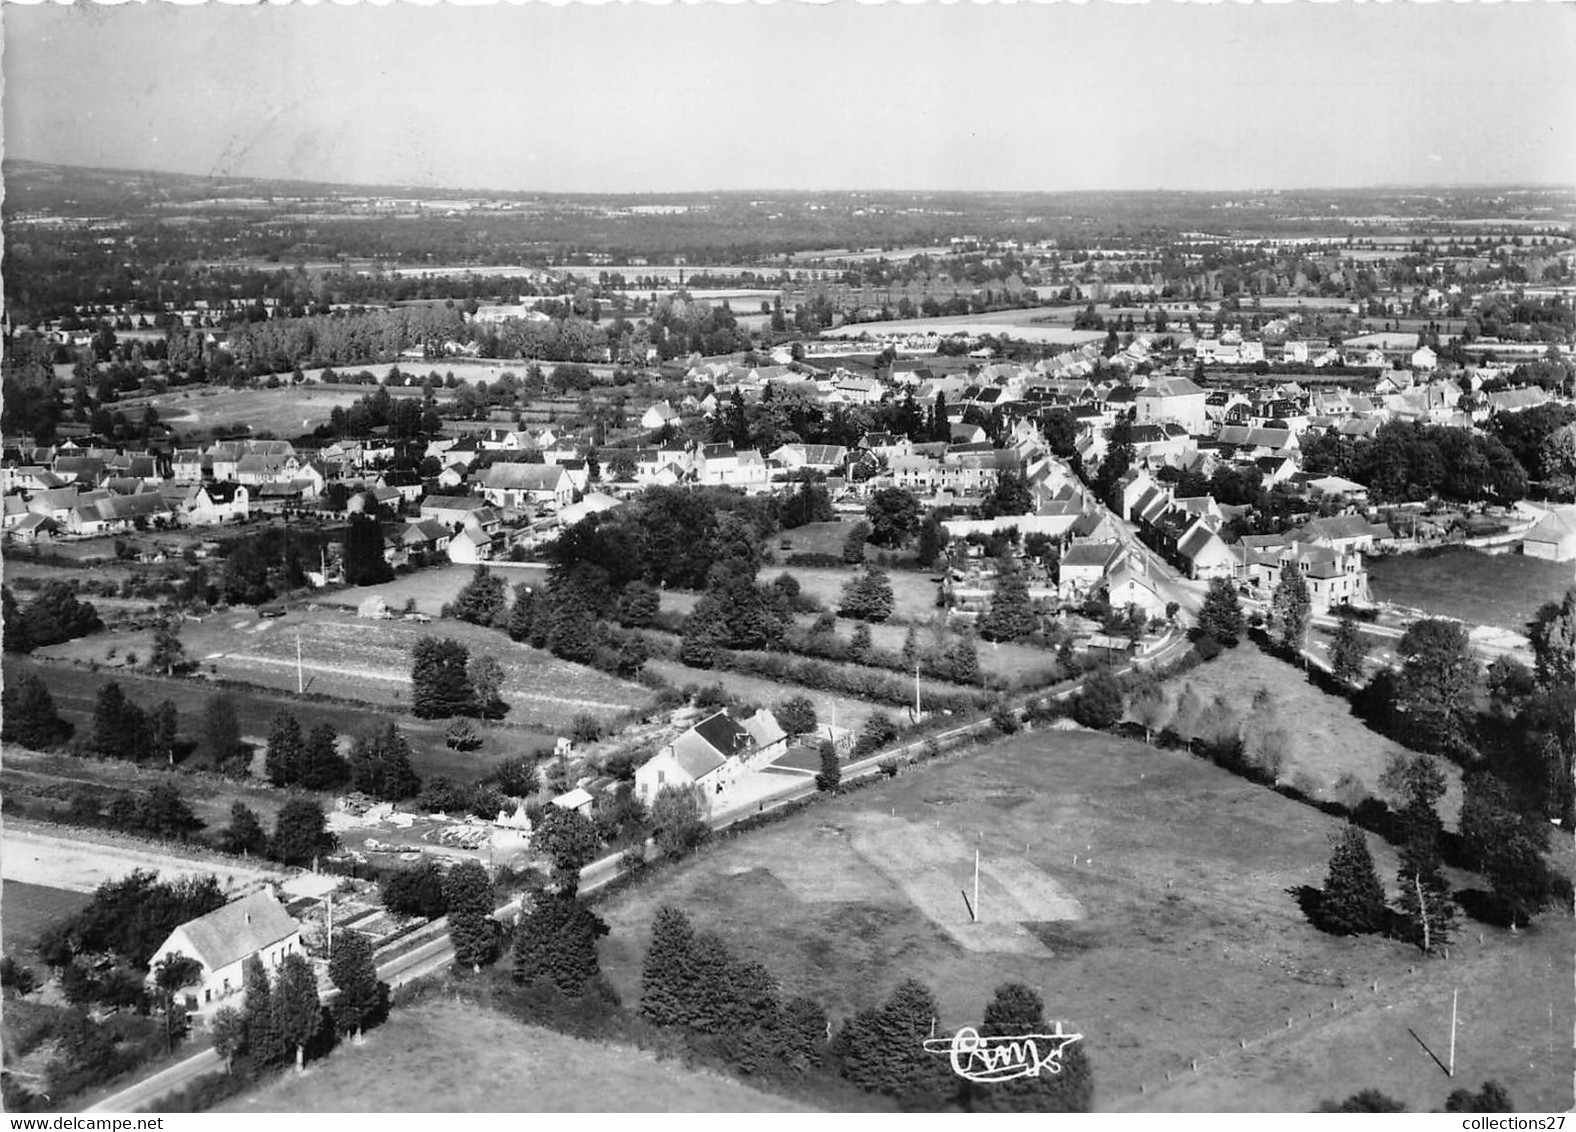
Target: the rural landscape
(885, 650)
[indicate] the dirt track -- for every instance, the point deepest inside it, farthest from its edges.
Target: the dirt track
(33, 857)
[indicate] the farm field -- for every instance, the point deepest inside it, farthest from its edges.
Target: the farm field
(431, 588)
(1326, 739)
(1149, 895)
(29, 909)
(41, 856)
(1032, 324)
(913, 595)
(844, 711)
(369, 661)
(287, 411)
(1503, 590)
(441, 1056)
(1016, 662)
(75, 688)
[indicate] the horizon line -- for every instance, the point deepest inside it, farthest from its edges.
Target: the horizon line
(463, 190)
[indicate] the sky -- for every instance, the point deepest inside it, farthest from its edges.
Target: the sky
(635, 97)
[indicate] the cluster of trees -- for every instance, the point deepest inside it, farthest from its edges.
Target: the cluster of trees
(1543, 441)
(103, 952)
(690, 980)
(1492, 1097)
(53, 616)
(311, 761)
(867, 596)
(1408, 461)
(123, 730)
(28, 716)
(447, 681)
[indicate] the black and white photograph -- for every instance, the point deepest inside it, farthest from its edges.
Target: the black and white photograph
(866, 558)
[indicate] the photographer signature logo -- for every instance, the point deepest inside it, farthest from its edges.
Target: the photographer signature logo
(1003, 1058)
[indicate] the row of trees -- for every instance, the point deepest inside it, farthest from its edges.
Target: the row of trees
(52, 617)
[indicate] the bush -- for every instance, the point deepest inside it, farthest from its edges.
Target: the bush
(1004, 718)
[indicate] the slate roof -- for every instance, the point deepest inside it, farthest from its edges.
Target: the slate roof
(239, 929)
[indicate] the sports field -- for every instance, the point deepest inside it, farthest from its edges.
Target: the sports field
(1149, 896)
(440, 1056)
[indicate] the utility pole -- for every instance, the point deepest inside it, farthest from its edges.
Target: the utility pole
(1454, 999)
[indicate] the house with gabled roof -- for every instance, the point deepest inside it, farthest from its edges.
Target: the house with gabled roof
(712, 754)
(223, 940)
(516, 485)
(1083, 568)
(211, 503)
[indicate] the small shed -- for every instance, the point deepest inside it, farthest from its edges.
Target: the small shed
(578, 799)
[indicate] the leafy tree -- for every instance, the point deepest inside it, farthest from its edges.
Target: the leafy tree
(16, 637)
(1353, 901)
(678, 820)
(264, 1042)
(555, 942)
(867, 596)
(380, 765)
(831, 774)
(1099, 705)
(1492, 1097)
(1425, 893)
(416, 891)
(1221, 616)
(796, 715)
(164, 724)
(893, 514)
(364, 561)
(228, 1029)
(113, 718)
(163, 811)
(674, 971)
(933, 540)
(170, 974)
(322, 766)
(1437, 684)
(854, 544)
(522, 614)
(516, 776)
(486, 676)
(963, 661)
(1190, 707)
(244, 834)
(638, 605)
(55, 615)
(222, 736)
(468, 891)
(169, 654)
(1011, 613)
(879, 729)
(1010, 495)
(354, 973)
(569, 840)
(286, 750)
(1348, 651)
(481, 601)
(1367, 1100)
(298, 1012)
(1553, 635)
(440, 681)
(1506, 845)
(1291, 609)
(1149, 708)
(29, 718)
(301, 833)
